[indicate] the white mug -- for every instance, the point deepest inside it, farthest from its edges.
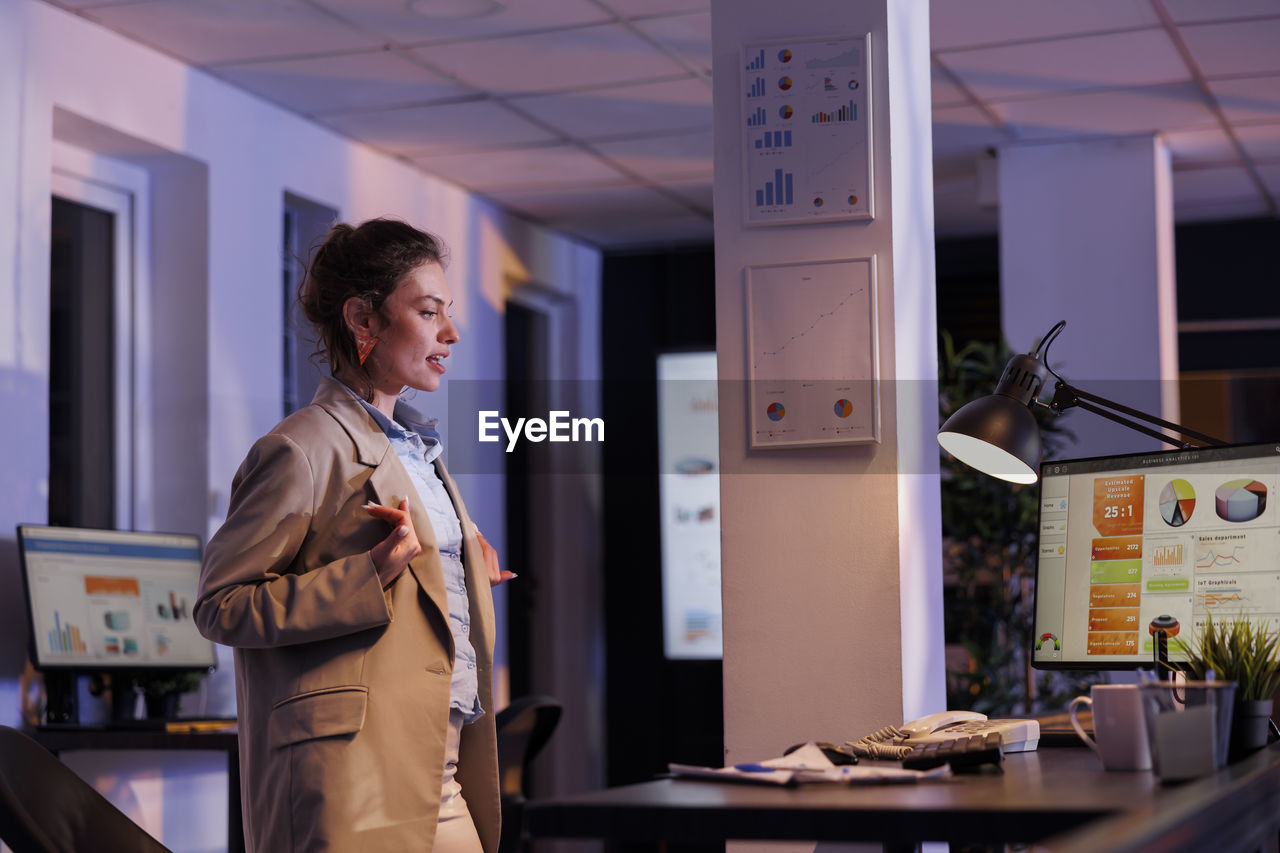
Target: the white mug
(1119, 723)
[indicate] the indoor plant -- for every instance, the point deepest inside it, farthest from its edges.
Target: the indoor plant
(1245, 652)
(162, 689)
(989, 550)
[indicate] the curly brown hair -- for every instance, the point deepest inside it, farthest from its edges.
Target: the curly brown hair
(367, 261)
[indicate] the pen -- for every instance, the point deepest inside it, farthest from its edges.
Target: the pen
(754, 768)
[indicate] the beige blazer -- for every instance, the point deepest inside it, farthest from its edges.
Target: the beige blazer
(343, 688)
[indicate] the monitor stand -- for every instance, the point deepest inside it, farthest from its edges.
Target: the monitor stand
(60, 697)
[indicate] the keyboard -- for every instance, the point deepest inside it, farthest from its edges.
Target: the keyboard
(964, 754)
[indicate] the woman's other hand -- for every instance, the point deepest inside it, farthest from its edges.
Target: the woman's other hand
(496, 575)
(391, 556)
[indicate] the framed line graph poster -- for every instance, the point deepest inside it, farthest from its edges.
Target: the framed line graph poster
(806, 130)
(813, 354)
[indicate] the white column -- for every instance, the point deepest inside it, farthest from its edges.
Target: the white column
(832, 556)
(1086, 236)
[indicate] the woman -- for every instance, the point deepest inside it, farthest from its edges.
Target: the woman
(355, 588)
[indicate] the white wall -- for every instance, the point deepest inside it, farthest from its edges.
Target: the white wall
(220, 163)
(1086, 236)
(831, 557)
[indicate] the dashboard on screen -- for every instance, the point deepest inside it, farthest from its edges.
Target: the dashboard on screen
(107, 599)
(689, 497)
(1175, 536)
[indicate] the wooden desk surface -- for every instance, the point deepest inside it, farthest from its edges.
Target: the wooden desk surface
(1039, 794)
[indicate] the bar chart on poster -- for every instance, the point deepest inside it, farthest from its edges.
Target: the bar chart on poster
(806, 131)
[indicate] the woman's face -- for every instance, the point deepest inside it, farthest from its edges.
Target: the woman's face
(414, 332)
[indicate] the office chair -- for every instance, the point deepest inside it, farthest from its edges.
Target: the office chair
(524, 727)
(46, 808)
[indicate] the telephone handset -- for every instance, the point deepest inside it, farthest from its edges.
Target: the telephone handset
(895, 743)
(940, 720)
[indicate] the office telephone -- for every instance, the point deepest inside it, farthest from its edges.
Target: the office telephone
(897, 742)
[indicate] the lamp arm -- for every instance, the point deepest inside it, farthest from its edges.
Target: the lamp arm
(1067, 396)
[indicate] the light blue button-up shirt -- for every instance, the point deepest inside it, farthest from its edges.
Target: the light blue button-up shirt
(418, 445)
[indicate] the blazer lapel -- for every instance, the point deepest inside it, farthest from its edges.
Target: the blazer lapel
(391, 484)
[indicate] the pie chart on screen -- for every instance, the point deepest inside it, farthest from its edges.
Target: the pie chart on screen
(1240, 500)
(1177, 502)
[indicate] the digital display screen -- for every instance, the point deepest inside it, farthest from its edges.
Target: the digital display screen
(689, 497)
(1176, 536)
(106, 599)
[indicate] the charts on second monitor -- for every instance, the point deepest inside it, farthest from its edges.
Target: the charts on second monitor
(806, 131)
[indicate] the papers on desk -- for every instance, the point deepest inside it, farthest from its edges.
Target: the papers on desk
(807, 764)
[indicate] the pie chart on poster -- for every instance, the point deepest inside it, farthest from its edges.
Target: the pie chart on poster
(776, 411)
(1177, 502)
(1240, 500)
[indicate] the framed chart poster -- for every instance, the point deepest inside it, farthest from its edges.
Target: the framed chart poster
(813, 350)
(806, 131)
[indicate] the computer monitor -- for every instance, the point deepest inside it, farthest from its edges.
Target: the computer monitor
(1168, 538)
(112, 600)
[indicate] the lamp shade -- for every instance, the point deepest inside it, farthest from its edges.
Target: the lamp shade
(996, 434)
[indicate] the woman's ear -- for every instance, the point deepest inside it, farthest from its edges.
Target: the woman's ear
(359, 316)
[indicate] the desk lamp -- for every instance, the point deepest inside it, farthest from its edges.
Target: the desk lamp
(998, 434)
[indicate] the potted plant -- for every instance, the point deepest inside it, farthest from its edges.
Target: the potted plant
(989, 552)
(162, 689)
(1242, 651)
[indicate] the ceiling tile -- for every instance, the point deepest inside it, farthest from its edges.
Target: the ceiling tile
(640, 8)
(621, 110)
(964, 130)
(1260, 141)
(1247, 47)
(396, 21)
(611, 216)
(659, 157)
(614, 201)
(1248, 99)
(1198, 186)
(336, 83)
(696, 192)
(213, 31)
(945, 93)
(1187, 11)
(1270, 174)
(1194, 147)
(439, 128)
(1068, 65)
(687, 36)
(557, 166)
(978, 22)
(1118, 111)
(550, 61)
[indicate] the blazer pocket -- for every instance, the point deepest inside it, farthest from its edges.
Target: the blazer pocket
(317, 713)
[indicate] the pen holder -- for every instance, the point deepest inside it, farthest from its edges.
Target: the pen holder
(1188, 726)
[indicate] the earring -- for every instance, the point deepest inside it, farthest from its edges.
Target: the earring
(364, 346)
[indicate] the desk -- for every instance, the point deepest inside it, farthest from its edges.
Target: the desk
(91, 737)
(1039, 795)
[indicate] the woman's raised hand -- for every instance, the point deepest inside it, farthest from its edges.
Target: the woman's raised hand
(391, 556)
